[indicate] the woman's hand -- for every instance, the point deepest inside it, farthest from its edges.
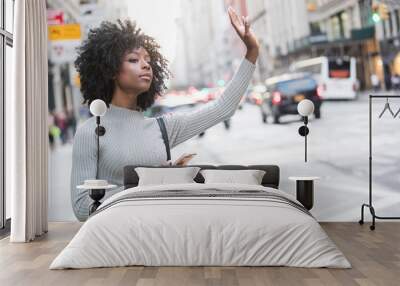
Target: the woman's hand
(242, 28)
(167, 163)
(184, 159)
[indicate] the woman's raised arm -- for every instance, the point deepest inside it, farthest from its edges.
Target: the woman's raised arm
(182, 126)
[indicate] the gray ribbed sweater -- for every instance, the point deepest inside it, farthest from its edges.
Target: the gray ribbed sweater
(132, 138)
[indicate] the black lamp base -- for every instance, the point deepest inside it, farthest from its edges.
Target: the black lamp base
(96, 195)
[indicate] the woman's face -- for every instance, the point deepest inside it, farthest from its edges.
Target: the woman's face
(136, 73)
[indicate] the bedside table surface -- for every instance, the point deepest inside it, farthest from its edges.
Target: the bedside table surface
(303, 178)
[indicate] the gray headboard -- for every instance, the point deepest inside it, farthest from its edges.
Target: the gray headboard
(270, 179)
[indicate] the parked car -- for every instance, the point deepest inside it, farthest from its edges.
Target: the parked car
(284, 92)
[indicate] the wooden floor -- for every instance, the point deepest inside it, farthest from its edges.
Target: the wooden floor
(374, 255)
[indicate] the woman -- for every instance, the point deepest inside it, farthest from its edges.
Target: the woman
(123, 67)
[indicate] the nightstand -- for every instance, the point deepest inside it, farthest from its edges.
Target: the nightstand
(305, 190)
(96, 190)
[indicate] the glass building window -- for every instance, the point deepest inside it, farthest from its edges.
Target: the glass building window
(6, 43)
(390, 24)
(366, 13)
(8, 72)
(9, 15)
(383, 23)
(338, 22)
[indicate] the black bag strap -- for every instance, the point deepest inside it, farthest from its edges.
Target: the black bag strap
(164, 133)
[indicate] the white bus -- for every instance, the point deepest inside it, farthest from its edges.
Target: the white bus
(336, 76)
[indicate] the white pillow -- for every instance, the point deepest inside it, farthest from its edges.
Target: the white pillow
(162, 176)
(249, 177)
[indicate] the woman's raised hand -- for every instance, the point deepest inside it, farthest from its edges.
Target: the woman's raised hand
(242, 28)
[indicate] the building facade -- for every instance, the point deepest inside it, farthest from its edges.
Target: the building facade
(387, 62)
(281, 27)
(209, 48)
(344, 28)
(291, 30)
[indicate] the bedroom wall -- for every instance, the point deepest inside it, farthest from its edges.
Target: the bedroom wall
(337, 144)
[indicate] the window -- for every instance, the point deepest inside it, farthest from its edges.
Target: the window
(6, 44)
(383, 23)
(339, 23)
(314, 69)
(9, 15)
(366, 13)
(390, 24)
(335, 28)
(339, 68)
(315, 28)
(7, 89)
(296, 85)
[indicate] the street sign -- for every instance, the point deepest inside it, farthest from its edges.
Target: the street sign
(63, 51)
(55, 17)
(63, 41)
(64, 32)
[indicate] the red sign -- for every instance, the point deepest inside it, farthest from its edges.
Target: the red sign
(55, 17)
(339, 73)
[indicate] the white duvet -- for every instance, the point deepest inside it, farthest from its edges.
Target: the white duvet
(200, 231)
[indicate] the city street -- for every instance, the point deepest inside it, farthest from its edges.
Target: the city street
(337, 152)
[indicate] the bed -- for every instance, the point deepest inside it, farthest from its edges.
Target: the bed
(199, 224)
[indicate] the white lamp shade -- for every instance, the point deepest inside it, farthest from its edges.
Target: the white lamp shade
(305, 107)
(98, 107)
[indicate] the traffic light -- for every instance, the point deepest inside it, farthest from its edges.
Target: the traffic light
(383, 11)
(375, 13)
(380, 11)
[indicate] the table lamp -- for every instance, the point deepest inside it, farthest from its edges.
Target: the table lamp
(97, 188)
(98, 108)
(305, 108)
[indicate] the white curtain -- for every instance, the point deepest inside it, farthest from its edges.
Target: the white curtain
(26, 123)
